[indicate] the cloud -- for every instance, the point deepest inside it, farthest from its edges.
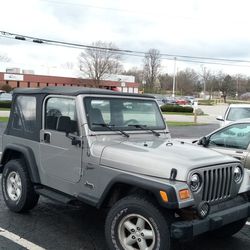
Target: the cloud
(190, 27)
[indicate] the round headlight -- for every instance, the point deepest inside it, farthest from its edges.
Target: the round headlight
(195, 182)
(238, 174)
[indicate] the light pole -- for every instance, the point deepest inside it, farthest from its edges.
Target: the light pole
(173, 95)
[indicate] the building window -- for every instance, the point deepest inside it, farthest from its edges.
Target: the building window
(38, 84)
(18, 84)
(28, 84)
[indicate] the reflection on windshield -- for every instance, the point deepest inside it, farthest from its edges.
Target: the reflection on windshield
(122, 113)
(238, 113)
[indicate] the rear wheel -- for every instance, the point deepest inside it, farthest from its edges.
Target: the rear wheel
(18, 191)
(135, 223)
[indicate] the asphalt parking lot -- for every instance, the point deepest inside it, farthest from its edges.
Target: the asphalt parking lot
(55, 226)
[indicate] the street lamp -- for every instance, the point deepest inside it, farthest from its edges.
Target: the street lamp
(173, 95)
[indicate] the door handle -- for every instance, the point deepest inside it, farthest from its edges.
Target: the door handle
(46, 137)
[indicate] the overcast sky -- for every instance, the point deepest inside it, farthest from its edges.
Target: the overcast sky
(204, 28)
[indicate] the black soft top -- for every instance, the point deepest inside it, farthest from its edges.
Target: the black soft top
(73, 91)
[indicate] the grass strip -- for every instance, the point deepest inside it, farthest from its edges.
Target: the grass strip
(174, 124)
(4, 119)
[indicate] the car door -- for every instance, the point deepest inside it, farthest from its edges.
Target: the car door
(232, 140)
(60, 160)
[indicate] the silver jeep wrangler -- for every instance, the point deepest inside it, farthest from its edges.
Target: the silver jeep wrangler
(113, 151)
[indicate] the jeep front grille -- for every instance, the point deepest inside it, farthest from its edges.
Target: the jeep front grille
(217, 183)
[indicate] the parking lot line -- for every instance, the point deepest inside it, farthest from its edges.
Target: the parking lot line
(18, 240)
(248, 223)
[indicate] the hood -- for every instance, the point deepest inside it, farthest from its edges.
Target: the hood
(157, 157)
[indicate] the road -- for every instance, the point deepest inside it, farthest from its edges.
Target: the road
(57, 226)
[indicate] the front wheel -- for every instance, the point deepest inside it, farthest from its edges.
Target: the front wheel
(135, 223)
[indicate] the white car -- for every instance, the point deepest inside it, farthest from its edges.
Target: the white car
(233, 140)
(234, 112)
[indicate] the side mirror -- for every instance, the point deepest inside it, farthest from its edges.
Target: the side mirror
(203, 141)
(220, 118)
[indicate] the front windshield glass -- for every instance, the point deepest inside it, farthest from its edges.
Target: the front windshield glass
(122, 113)
(238, 113)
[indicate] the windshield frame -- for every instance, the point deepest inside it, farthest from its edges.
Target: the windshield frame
(124, 128)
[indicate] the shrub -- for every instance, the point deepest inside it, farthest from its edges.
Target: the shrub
(176, 108)
(6, 88)
(5, 104)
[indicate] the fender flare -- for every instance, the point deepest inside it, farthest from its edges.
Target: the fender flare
(146, 184)
(28, 156)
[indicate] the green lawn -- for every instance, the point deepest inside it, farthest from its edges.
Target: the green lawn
(172, 124)
(180, 113)
(4, 109)
(4, 119)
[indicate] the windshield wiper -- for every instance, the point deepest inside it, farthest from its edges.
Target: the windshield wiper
(110, 128)
(142, 127)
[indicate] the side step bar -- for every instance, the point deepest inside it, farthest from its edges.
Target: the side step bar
(54, 195)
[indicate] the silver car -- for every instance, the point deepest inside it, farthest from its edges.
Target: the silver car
(232, 140)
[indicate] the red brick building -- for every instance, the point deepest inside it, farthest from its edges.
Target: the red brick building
(17, 80)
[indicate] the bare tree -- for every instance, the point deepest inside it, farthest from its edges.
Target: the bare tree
(100, 60)
(187, 80)
(152, 64)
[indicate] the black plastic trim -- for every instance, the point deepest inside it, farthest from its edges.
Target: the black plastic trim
(28, 157)
(145, 184)
(189, 229)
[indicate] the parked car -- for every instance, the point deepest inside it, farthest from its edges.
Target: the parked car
(169, 100)
(5, 97)
(160, 102)
(234, 140)
(190, 99)
(234, 112)
(113, 151)
(182, 101)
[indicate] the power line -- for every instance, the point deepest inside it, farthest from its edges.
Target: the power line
(182, 58)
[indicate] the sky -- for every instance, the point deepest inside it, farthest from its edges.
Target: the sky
(202, 28)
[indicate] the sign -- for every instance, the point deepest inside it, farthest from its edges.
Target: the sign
(123, 84)
(13, 77)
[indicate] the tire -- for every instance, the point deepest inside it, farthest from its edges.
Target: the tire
(229, 230)
(135, 218)
(18, 191)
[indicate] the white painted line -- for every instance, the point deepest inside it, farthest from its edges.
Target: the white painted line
(248, 223)
(18, 240)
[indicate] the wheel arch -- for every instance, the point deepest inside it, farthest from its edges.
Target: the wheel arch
(126, 184)
(16, 151)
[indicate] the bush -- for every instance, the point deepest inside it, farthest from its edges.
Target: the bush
(5, 104)
(6, 88)
(176, 108)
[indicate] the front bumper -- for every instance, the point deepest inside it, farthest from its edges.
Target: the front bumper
(189, 229)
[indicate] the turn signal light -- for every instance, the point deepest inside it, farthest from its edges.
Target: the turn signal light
(184, 194)
(164, 196)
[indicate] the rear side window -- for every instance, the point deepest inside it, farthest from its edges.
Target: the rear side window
(25, 114)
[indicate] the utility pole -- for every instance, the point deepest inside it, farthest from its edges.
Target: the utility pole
(173, 95)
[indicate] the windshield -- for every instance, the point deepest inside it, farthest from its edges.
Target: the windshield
(121, 113)
(238, 113)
